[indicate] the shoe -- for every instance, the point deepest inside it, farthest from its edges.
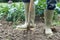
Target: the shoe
(48, 32)
(24, 26)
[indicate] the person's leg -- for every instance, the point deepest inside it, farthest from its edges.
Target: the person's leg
(26, 7)
(32, 16)
(48, 14)
(29, 16)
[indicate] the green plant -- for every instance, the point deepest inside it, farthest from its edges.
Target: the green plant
(15, 13)
(40, 7)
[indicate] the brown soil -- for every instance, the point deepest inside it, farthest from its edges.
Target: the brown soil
(8, 33)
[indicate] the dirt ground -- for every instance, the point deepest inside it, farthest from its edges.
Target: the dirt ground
(8, 33)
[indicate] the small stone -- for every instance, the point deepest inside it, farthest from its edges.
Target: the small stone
(0, 24)
(0, 37)
(24, 35)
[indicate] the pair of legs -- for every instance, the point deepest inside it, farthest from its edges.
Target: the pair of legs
(29, 16)
(48, 14)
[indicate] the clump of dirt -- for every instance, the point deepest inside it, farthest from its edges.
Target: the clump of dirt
(8, 33)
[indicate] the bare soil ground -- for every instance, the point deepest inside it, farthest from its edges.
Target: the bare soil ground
(8, 33)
